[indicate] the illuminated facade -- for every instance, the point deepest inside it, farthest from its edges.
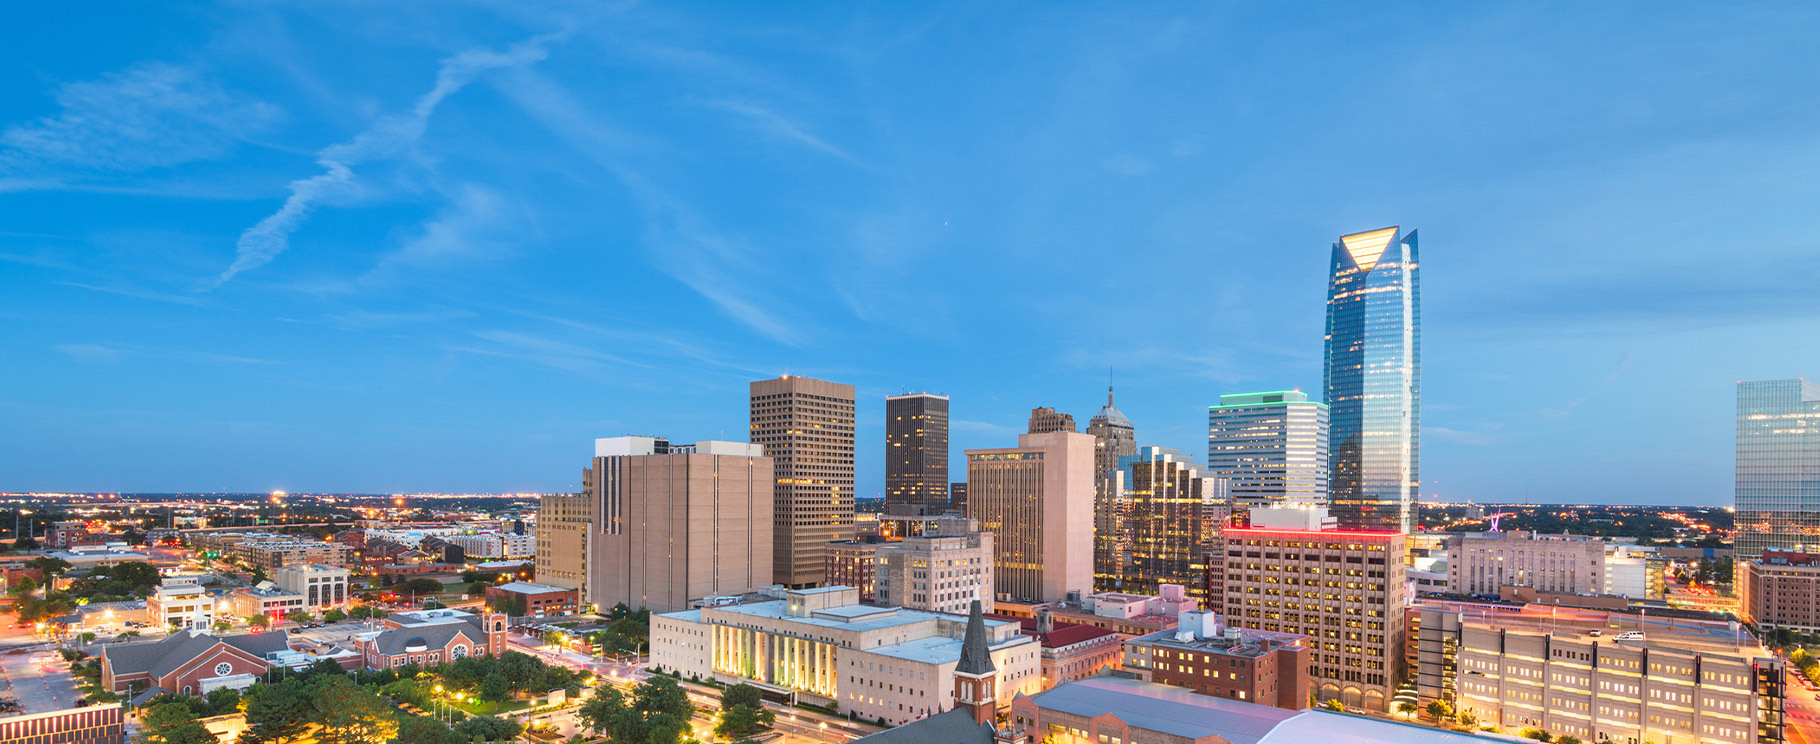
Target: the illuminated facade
(916, 454)
(806, 428)
(1114, 438)
(1292, 572)
(1373, 380)
(563, 521)
(1777, 482)
(940, 570)
(886, 662)
(1173, 523)
(1270, 447)
(1037, 501)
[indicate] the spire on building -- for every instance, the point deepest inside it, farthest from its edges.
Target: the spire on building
(976, 656)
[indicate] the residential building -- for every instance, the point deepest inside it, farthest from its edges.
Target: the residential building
(1073, 651)
(941, 570)
(677, 522)
(1270, 447)
(95, 724)
(1046, 420)
(806, 428)
(1114, 438)
(65, 534)
(494, 545)
(268, 599)
(323, 587)
(1373, 380)
(188, 662)
(854, 563)
(1781, 589)
(916, 454)
(276, 553)
(1292, 571)
(1483, 563)
(1602, 676)
(431, 637)
(563, 523)
(1201, 654)
(1037, 501)
(1777, 482)
(182, 605)
(877, 662)
(1172, 522)
(1132, 711)
(527, 599)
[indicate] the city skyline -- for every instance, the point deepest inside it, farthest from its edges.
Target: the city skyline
(398, 250)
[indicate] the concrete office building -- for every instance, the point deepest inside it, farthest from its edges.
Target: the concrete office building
(1573, 673)
(1037, 501)
(1174, 520)
(1046, 420)
(916, 454)
(323, 587)
(1270, 447)
(1114, 438)
(496, 545)
(1373, 380)
(181, 604)
(1781, 589)
(1777, 483)
(1293, 571)
(1203, 655)
(1486, 562)
(678, 522)
(806, 427)
(878, 662)
(563, 523)
(1129, 615)
(941, 570)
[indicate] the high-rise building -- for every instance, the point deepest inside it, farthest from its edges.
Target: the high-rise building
(1778, 468)
(1270, 447)
(678, 522)
(1037, 501)
(1291, 571)
(1045, 420)
(1175, 518)
(1373, 380)
(1113, 438)
(957, 497)
(806, 428)
(916, 454)
(941, 570)
(563, 523)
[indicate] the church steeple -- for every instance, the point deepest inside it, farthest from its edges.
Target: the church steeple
(976, 677)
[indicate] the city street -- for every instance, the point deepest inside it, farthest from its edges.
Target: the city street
(1801, 713)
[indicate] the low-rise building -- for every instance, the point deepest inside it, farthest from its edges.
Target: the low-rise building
(95, 724)
(853, 563)
(1129, 615)
(1201, 654)
(181, 605)
(878, 662)
(323, 587)
(268, 599)
(430, 637)
(941, 570)
(277, 553)
(188, 662)
(90, 556)
(1781, 590)
(533, 600)
(496, 545)
(1485, 562)
(1072, 651)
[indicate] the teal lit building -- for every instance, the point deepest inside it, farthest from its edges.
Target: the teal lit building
(1777, 482)
(1373, 380)
(1270, 447)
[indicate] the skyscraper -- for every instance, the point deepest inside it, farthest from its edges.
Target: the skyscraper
(806, 428)
(563, 524)
(1045, 420)
(1777, 484)
(1373, 380)
(916, 454)
(678, 522)
(1174, 522)
(1270, 447)
(1113, 437)
(1037, 500)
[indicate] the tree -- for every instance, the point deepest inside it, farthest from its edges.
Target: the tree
(1407, 708)
(25, 585)
(433, 604)
(300, 616)
(50, 567)
(422, 730)
(222, 701)
(223, 626)
(1439, 710)
(488, 728)
(601, 711)
(743, 712)
(1564, 739)
(1468, 719)
(1334, 705)
(87, 637)
(346, 714)
(275, 714)
(259, 621)
(172, 723)
(495, 687)
(363, 612)
(25, 543)
(257, 575)
(334, 616)
(663, 728)
(1537, 734)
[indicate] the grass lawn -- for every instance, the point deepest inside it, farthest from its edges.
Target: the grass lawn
(490, 708)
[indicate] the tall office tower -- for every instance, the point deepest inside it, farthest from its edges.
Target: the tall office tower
(1175, 520)
(806, 428)
(1045, 420)
(1292, 572)
(1270, 447)
(957, 497)
(1037, 501)
(1374, 380)
(1777, 484)
(916, 455)
(563, 522)
(678, 522)
(1113, 438)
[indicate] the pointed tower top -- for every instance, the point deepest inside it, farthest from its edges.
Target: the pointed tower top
(976, 655)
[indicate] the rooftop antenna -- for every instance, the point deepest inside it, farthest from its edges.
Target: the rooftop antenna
(1109, 386)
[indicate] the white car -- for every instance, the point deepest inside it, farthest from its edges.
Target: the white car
(1634, 635)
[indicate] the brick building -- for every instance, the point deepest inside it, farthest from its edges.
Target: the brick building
(539, 600)
(1780, 590)
(1256, 666)
(183, 661)
(853, 563)
(429, 637)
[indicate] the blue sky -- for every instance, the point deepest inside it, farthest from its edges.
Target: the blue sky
(440, 246)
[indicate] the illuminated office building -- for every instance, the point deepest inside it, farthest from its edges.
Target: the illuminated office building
(1270, 447)
(806, 428)
(1037, 501)
(1113, 438)
(1174, 522)
(1373, 380)
(916, 454)
(1778, 468)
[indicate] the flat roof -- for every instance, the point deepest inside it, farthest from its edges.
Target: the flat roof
(1576, 623)
(1176, 711)
(525, 587)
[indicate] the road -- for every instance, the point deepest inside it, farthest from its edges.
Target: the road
(1801, 713)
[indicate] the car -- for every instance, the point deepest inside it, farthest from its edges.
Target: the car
(1595, 632)
(1634, 635)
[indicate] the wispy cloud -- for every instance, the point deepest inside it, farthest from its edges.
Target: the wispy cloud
(149, 116)
(778, 125)
(1458, 436)
(1568, 408)
(98, 353)
(469, 228)
(545, 351)
(138, 293)
(390, 137)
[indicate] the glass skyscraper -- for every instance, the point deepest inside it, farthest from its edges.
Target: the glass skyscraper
(1373, 379)
(1271, 447)
(1777, 484)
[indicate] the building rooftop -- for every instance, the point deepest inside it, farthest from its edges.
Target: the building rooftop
(1250, 643)
(1774, 557)
(525, 587)
(1670, 633)
(1176, 711)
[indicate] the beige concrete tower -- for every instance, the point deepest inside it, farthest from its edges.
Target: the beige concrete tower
(806, 428)
(678, 522)
(1037, 500)
(563, 523)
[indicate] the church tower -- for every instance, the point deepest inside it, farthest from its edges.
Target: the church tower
(975, 677)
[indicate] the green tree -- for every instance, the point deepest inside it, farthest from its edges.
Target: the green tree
(1407, 708)
(1564, 739)
(87, 637)
(363, 612)
(1334, 705)
(663, 728)
(172, 723)
(275, 714)
(603, 709)
(1537, 734)
(743, 720)
(495, 687)
(1468, 719)
(346, 714)
(300, 616)
(257, 575)
(222, 701)
(258, 621)
(334, 616)
(52, 604)
(661, 695)
(25, 585)
(1439, 710)
(488, 728)
(223, 626)
(50, 567)
(423, 730)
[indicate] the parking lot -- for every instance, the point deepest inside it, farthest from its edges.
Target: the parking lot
(39, 679)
